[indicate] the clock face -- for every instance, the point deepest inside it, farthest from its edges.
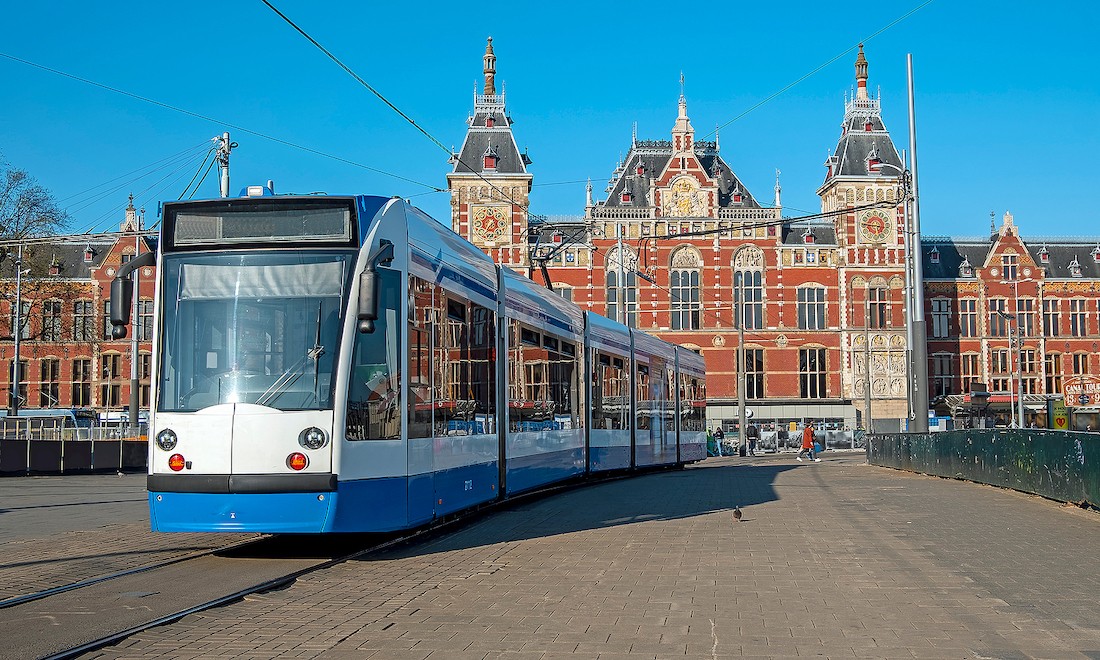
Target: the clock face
(489, 223)
(873, 227)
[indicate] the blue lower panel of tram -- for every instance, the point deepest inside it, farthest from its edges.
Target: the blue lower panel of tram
(527, 472)
(380, 505)
(608, 458)
(290, 513)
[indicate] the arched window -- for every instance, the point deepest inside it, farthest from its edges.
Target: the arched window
(622, 287)
(684, 287)
(748, 288)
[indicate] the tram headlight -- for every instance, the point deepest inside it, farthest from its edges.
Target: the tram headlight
(166, 439)
(312, 438)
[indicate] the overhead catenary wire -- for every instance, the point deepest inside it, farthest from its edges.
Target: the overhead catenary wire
(816, 70)
(347, 69)
(226, 124)
(203, 145)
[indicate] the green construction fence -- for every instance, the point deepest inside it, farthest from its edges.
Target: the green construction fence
(1060, 465)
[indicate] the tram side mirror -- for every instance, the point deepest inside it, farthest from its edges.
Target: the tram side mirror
(368, 301)
(368, 286)
(122, 296)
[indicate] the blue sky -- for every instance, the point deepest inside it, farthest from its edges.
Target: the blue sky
(1007, 97)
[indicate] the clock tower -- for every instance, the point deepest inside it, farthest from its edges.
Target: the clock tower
(863, 187)
(489, 185)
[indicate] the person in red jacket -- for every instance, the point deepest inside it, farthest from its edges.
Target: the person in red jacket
(808, 442)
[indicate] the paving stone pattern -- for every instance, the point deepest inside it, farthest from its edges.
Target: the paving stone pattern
(833, 559)
(56, 531)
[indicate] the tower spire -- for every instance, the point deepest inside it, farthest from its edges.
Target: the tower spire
(683, 135)
(861, 75)
(490, 69)
(778, 189)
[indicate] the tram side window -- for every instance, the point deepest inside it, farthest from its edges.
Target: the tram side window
(422, 318)
(543, 392)
(610, 393)
(374, 393)
(463, 359)
(564, 390)
(693, 401)
(670, 401)
(642, 396)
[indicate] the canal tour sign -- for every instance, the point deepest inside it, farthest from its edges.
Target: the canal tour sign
(1078, 391)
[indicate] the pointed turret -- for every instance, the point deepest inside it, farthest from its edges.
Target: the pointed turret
(861, 76)
(490, 184)
(491, 69)
(683, 134)
(490, 130)
(865, 148)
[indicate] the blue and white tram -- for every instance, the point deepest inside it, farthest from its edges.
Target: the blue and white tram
(346, 364)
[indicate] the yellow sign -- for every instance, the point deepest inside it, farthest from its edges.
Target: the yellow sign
(1059, 417)
(793, 427)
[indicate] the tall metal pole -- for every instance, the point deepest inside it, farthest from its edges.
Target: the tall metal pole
(907, 240)
(741, 421)
(920, 336)
(868, 424)
(622, 318)
(135, 325)
(18, 331)
(1019, 358)
(1011, 403)
(224, 147)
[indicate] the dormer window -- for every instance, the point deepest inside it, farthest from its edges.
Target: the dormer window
(55, 267)
(808, 237)
(1044, 256)
(965, 269)
(1075, 268)
(867, 127)
(737, 196)
(88, 254)
(934, 255)
(491, 158)
(1096, 254)
(627, 197)
(640, 170)
(490, 121)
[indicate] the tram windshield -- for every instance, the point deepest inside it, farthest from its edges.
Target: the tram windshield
(251, 327)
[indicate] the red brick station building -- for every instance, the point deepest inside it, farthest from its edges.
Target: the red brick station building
(677, 247)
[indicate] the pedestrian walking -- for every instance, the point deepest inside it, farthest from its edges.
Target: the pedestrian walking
(752, 433)
(808, 443)
(719, 436)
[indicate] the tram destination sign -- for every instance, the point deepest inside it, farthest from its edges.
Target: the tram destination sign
(1081, 390)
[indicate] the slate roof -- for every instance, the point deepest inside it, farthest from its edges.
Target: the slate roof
(497, 139)
(857, 144)
(824, 233)
(654, 157)
(1061, 253)
(68, 252)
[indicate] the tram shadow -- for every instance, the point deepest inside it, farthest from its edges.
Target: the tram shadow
(661, 495)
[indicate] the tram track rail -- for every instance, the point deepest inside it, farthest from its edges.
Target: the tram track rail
(280, 581)
(53, 591)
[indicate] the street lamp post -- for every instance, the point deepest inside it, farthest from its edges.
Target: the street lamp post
(916, 335)
(17, 331)
(741, 421)
(868, 423)
(1018, 420)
